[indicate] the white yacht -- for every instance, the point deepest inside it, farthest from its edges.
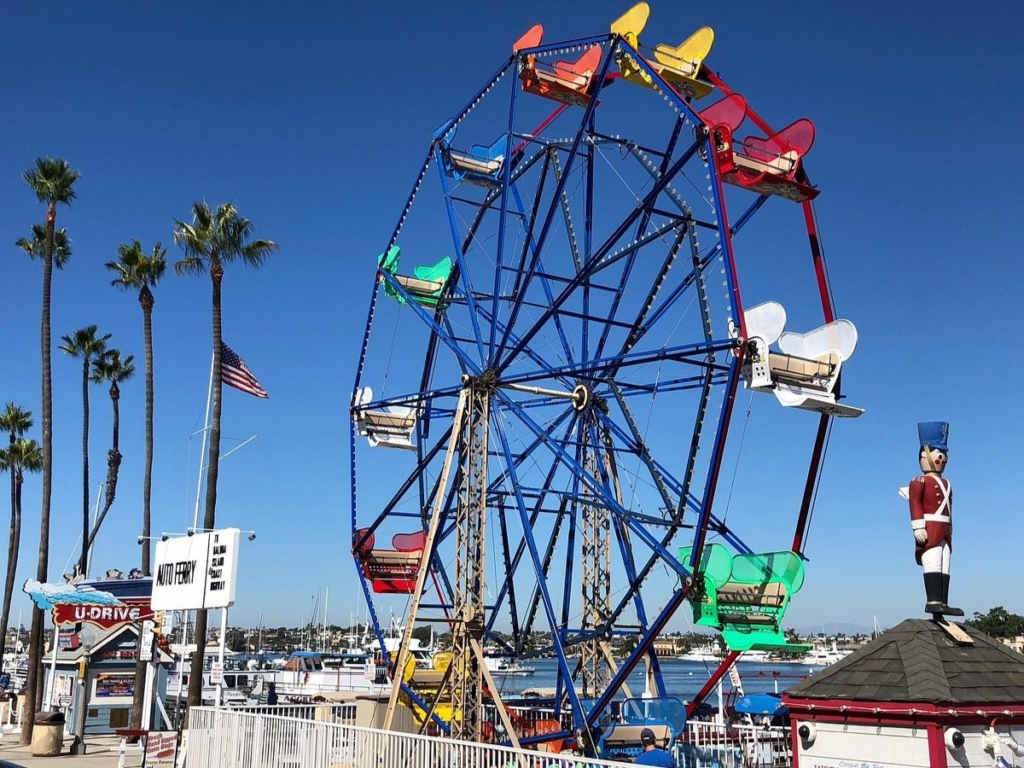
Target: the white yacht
(235, 680)
(306, 673)
(822, 657)
(706, 653)
(506, 666)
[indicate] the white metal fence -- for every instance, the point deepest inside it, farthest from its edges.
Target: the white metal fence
(235, 739)
(322, 736)
(729, 746)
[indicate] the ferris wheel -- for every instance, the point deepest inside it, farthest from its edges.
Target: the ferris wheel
(553, 353)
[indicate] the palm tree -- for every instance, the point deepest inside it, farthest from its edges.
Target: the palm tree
(53, 182)
(16, 421)
(18, 457)
(110, 367)
(213, 239)
(135, 270)
(87, 347)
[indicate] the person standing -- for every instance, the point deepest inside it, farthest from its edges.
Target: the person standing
(653, 754)
(931, 516)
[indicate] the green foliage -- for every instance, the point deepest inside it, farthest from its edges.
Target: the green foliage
(36, 247)
(627, 645)
(422, 633)
(998, 622)
(234, 639)
(53, 181)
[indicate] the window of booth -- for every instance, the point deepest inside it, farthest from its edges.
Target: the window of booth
(119, 717)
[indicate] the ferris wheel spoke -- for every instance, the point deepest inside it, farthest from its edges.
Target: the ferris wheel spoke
(535, 356)
(639, 235)
(549, 216)
(594, 263)
(690, 354)
(546, 601)
(463, 275)
(639, 446)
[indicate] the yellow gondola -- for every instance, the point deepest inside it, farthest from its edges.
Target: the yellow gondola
(679, 65)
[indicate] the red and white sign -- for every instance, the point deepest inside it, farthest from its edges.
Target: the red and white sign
(161, 747)
(103, 616)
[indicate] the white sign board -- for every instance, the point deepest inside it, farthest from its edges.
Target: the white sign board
(194, 572)
(223, 568)
(146, 641)
(216, 673)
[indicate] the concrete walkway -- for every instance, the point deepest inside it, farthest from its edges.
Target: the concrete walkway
(98, 754)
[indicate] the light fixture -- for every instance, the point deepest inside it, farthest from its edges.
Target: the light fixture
(162, 537)
(954, 739)
(807, 733)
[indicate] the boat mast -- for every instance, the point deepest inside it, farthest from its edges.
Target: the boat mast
(323, 630)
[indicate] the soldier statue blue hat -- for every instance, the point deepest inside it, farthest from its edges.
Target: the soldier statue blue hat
(934, 434)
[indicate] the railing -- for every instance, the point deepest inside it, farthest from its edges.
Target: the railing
(235, 739)
(707, 743)
(10, 716)
(326, 713)
(323, 736)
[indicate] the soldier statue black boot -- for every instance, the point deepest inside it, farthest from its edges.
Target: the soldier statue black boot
(946, 609)
(933, 591)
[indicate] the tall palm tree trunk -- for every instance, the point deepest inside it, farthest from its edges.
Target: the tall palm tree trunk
(83, 562)
(195, 682)
(12, 559)
(147, 480)
(113, 464)
(35, 640)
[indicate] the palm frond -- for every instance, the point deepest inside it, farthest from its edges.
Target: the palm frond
(110, 367)
(135, 269)
(85, 344)
(15, 420)
(52, 180)
(218, 237)
(23, 455)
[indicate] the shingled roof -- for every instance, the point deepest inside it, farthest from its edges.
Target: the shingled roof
(917, 661)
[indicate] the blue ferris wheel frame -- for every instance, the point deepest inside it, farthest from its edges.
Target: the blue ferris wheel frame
(498, 345)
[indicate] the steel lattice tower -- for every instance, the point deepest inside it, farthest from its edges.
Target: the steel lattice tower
(471, 528)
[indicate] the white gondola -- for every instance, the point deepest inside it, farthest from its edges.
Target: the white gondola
(391, 426)
(804, 371)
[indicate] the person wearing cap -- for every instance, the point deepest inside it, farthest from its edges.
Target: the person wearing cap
(931, 516)
(653, 754)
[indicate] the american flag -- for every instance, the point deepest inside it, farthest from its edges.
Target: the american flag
(235, 373)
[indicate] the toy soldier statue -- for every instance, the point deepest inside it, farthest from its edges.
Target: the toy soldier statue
(931, 516)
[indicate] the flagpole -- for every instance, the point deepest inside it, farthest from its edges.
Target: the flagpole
(202, 449)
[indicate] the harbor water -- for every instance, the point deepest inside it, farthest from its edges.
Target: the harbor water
(683, 679)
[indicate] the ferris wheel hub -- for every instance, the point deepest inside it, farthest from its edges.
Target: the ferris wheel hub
(580, 396)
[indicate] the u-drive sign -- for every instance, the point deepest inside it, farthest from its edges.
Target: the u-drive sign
(194, 572)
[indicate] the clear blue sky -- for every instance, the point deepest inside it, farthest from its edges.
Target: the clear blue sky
(313, 119)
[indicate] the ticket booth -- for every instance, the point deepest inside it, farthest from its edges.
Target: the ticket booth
(101, 677)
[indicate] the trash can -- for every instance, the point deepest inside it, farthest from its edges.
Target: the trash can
(47, 734)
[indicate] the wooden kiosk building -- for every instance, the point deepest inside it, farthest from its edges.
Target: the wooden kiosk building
(925, 693)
